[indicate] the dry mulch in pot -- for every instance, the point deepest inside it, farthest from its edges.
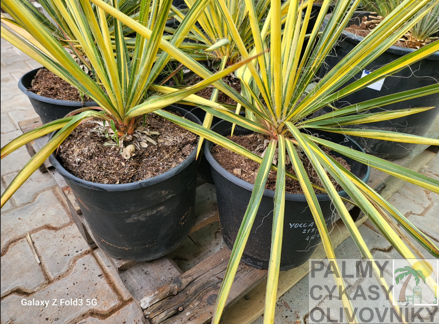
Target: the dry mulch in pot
(368, 23)
(85, 154)
(247, 169)
(49, 85)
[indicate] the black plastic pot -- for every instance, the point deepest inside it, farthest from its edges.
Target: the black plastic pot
(48, 109)
(142, 220)
(420, 74)
(204, 170)
(300, 235)
(179, 4)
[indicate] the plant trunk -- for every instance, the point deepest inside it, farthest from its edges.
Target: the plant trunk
(403, 289)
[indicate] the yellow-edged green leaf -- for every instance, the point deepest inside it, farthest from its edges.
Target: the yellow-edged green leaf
(377, 102)
(381, 164)
(381, 135)
(237, 119)
(318, 159)
(358, 119)
(276, 236)
(171, 50)
(140, 83)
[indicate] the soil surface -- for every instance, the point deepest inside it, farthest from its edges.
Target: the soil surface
(84, 154)
(368, 23)
(49, 85)
(207, 92)
(247, 169)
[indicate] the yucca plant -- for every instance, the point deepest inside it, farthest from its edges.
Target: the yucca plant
(121, 89)
(422, 31)
(280, 109)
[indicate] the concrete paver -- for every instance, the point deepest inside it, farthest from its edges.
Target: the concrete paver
(432, 168)
(19, 67)
(36, 182)
(20, 115)
(405, 205)
(84, 290)
(428, 225)
(112, 274)
(20, 270)
(15, 161)
(17, 104)
(415, 194)
(6, 124)
(8, 205)
(9, 86)
(10, 57)
(45, 211)
(59, 249)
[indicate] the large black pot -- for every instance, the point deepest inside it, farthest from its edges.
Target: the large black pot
(420, 74)
(48, 109)
(300, 235)
(142, 220)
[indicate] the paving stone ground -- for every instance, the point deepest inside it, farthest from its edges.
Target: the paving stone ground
(68, 271)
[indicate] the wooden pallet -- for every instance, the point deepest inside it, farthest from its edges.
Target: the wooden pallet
(182, 287)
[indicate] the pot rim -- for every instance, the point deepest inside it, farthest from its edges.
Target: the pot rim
(50, 100)
(267, 192)
(397, 50)
(132, 185)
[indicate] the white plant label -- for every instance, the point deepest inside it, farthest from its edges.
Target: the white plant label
(375, 86)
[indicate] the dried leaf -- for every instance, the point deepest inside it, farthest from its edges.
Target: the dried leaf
(150, 140)
(237, 172)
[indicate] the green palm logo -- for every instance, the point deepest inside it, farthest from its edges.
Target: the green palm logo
(419, 270)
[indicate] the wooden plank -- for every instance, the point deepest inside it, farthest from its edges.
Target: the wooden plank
(145, 278)
(198, 246)
(191, 297)
(30, 124)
